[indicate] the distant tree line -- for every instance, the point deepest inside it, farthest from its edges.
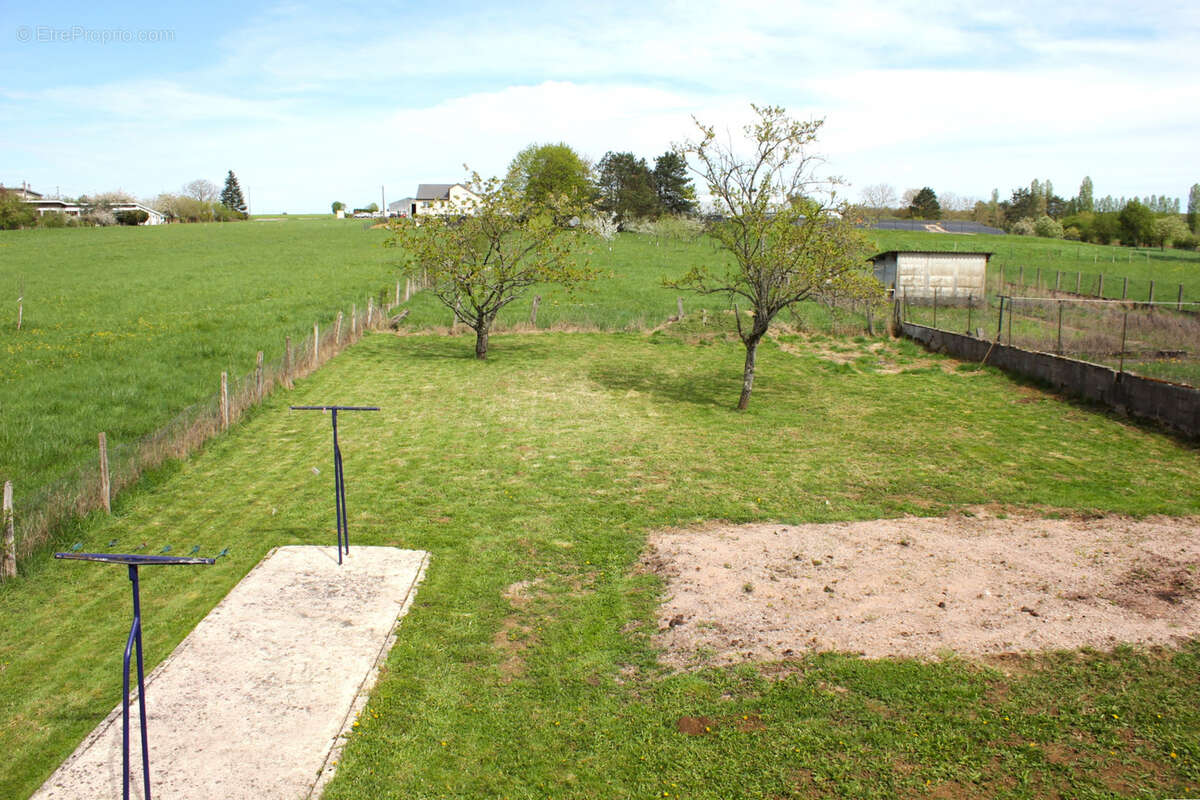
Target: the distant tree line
(197, 201)
(1037, 210)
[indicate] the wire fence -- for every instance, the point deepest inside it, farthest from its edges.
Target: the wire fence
(46, 509)
(1158, 339)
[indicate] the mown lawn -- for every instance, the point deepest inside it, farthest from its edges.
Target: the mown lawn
(550, 463)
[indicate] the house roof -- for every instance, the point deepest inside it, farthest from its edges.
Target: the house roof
(887, 253)
(434, 191)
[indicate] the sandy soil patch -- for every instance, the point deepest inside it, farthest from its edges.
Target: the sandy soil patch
(969, 585)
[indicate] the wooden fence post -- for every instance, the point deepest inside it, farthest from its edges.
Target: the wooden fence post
(105, 485)
(258, 376)
(20, 312)
(8, 565)
(407, 289)
(224, 400)
(678, 308)
(1100, 286)
(1037, 281)
(337, 330)
(1078, 279)
(1152, 291)
(537, 299)
(353, 320)
(397, 292)
(1125, 287)
(1021, 275)
(316, 346)
(1179, 300)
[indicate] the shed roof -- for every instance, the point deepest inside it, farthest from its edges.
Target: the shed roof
(887, 253)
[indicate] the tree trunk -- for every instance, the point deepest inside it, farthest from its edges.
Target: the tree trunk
(481, 342)
(748, 373)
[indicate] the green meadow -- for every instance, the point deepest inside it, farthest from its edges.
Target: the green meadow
(550, 463)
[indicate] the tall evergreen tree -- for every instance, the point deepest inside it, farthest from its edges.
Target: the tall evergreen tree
(231, 195)
(626, 187)
(676, 194)
(925, 205)
(1085, 202)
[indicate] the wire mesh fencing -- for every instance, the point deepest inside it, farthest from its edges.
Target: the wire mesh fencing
(44, 509)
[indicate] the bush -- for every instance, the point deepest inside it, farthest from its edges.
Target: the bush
(1024, 227)
(14, 212)
(1048, 228)
(1072, 233)
(132, 217)
(99, 216)
(1186, 242)
(55, 219)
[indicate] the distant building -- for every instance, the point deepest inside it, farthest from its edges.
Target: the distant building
(71, 209)
(443, 198)
(22, 193)
(920, 274)
(402, 207)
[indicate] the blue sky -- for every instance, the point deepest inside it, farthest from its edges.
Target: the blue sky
(310, 103)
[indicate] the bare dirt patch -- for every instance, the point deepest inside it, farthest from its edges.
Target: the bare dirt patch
(971, 585)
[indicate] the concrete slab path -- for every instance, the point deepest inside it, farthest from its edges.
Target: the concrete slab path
(254, 702)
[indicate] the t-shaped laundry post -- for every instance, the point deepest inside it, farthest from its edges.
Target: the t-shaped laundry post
(135, 637)
(339, 477)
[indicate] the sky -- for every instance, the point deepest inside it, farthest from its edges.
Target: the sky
(312, 103)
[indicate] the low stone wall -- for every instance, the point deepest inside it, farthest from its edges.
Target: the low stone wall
(1173, 405)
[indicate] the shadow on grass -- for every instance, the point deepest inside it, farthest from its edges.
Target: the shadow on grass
(461, 347)
(712, 390)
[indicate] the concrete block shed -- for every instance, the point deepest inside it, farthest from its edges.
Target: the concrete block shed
(918, 273)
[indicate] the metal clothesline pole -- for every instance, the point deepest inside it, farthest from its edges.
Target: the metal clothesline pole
(135, 640)
(339, 475)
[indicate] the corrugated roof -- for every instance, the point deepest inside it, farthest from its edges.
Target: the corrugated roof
(887, 253)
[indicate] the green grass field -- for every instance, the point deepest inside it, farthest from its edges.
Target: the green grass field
(125, 327)
(551, 462)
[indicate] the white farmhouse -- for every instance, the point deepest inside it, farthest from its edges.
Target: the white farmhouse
(920, 274)
(442, 198)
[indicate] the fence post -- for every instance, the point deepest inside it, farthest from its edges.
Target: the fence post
(970, 308)
(1057, 280)
(20, 312)
(370, 312)
(224, 400)
(1151, 292)
(397, 292)
(1124, 324)
(1125, 287)
(407, 289)
(316, 346)
(1010, 316)
(1000, 320)
(287, 361)
(537, 299)
(258, 376)
(353, 320)
(8, 567)
(1037, 281)
(678, 308)
(1021, 275)
(935, 305)
(1078, 279)
(870, 322)
(1179, 300)
(1100, 286)
(105, 485)
(337, 331)
(1059, 350)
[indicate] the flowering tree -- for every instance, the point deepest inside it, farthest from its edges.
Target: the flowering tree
(491, 254)
(779, 221)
